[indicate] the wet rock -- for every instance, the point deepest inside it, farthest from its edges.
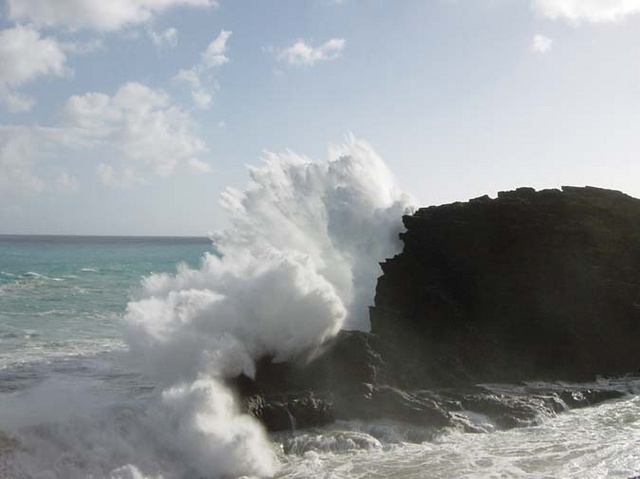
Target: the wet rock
(392, 403)
(508, 412)
(347, 363)
(530, 285)
(588, 397)
(288, 412)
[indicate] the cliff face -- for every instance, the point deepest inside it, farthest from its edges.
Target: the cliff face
(528, 285)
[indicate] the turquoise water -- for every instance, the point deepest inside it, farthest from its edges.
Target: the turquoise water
(73, 405)
(65, 295)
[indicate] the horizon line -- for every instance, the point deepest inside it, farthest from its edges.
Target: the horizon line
(83, 235)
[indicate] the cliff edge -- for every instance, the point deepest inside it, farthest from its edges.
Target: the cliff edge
(529, 285)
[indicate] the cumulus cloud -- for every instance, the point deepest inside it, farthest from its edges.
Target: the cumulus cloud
(132, 134)
(594, 11)
(147, 131)
(541, 44)
(301, 53)
(101, 15)
(199, 78)
(24, 57)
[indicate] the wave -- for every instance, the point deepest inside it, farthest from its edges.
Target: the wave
(37, 350)
(32, 274)
(298, 263)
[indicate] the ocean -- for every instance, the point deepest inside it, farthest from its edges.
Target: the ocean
(114, 351)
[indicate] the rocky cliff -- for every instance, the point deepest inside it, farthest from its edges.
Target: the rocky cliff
(529, 285)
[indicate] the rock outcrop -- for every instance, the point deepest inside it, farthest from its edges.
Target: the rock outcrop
(530, 285)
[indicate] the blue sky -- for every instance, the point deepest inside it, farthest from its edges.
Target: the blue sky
(131, 116)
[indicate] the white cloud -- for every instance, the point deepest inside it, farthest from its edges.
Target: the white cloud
(25, 56)
(18, 152)
(16, 102)
(168, 37)
(197, 166)
(214, 55)
(135, 133)
(23, 151)
(300, 53)
(101, 15)
(595, 11)
(199, 78)
(67, 183)
(147, 132)
(125, 178)
(541, 44)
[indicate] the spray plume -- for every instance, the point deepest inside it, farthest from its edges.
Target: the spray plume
(298, 263)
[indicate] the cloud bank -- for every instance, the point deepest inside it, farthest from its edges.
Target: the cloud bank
(24, 57)
(100, 15)
(593, 11)
(147, 131)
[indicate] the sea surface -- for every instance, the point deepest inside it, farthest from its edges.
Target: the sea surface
(64, 296)
(75, 404)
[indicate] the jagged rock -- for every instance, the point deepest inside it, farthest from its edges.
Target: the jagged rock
(529, 285)
(388, 402)
(346, 363)
(290, 411)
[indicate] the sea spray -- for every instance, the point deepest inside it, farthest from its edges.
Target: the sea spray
(298, 263)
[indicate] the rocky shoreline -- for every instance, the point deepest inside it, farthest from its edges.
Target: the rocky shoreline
(527, 286)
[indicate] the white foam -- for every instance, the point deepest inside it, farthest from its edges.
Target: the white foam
(32, 274)
(597, 443)
(299, 262)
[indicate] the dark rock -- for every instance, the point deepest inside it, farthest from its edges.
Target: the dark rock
(290, 411)
(389, 402)
(509, 411)
(301, 392)
(345, 364)
(529, 285)
(588, 397)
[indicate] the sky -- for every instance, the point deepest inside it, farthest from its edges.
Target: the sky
(130, 117)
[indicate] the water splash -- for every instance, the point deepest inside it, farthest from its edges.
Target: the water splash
(298, 263)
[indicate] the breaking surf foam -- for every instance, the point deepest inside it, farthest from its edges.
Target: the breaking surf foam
(299, 262)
